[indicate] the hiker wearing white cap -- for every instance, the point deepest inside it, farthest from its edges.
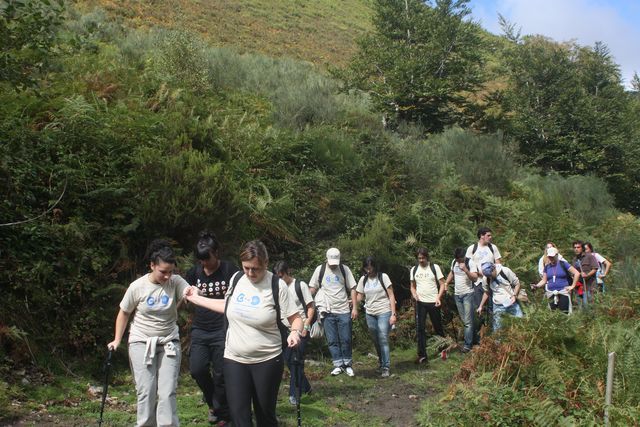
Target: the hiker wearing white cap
(504, 286)
(558, 282)
(544, 259)
(339, 287)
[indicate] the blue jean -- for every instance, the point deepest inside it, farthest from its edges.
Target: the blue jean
(498, 309)
(466, 309)
(379, 331)
(337, 330)
(296, 368)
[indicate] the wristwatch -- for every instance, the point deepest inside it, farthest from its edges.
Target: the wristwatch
(307, 327)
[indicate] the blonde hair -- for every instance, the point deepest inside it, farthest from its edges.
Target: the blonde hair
(545, 257)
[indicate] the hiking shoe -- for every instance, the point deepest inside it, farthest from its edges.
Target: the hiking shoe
(293, 400)
(465, 349)
(336, 371)
(385, 373)
(223, 423)
(211, 417)
(421, 359)
(349, 371)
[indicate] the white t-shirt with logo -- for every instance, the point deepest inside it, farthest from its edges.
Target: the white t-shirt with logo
(253, 335)
(334, 289)
(462, 284)
(155, 307)
(427, 286)
(375, 297)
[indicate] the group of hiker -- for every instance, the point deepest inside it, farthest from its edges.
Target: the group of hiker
(249, 321)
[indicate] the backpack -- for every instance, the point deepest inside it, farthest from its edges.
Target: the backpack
(433, 270)
(344, 276)
(275, 292)
(522, 294)
(363, 277)
(466, 262)
(316, 331)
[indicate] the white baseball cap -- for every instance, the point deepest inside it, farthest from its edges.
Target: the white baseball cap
(552, 251)
(333, 256)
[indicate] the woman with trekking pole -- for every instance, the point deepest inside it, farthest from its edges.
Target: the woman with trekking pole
(253, 363)
(154, 341)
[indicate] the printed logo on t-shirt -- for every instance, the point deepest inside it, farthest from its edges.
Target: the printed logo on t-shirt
(248, 300)
(159, 302)
(332, 279)
(370, 285)
(420, 275)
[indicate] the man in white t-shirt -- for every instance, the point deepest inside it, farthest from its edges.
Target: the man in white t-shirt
(428, 289)
(464, 273)
(339, 287)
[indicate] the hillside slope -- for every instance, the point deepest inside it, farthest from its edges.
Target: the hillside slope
(322, 32)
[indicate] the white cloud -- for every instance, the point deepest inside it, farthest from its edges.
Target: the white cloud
(616, 23)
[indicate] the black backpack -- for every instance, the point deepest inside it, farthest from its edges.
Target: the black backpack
(275, 291)
(379, 279)
(298, 289)
(466, 262)
(344, 276)
(433, 270)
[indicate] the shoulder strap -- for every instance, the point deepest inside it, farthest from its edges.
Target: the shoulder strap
(298, 289)
(453, 264)
(504, 276)
(346, 281)
(433, 270)
(475, 248)
(275, 291)
(491, 248)
(321, 275)
(414, 269)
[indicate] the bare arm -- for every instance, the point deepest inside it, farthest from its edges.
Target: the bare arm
(414, 292)
(443, 289)
(121, 324)
(392, 303)
(607, 267)
(542, 282)
(216, 305)
(354, 303)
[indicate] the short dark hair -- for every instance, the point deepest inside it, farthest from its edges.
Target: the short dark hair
(160, 250)
(281, 267)
(422, 251)
(459, 253)
(207, 244)
(483, 230)
(578, 242)
(589, 245)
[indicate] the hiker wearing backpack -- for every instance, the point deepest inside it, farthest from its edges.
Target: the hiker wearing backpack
(503, 285)
(604, 265)
(480, 252)
(212, 277)
(339, 287)
(380, 307)
(587, 265)
(464, 273)
(298, 292)
(154, 341)
(544, 259)
(427, 289)
(253, 363)
(559, 279)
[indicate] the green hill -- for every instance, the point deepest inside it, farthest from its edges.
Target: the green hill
(322, 32)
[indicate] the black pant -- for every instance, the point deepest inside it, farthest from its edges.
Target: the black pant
(562, 305)
(257, 383)
(422, 308)
(205, 364)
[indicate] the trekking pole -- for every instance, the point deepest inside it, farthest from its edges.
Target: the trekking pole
(107, 373)
(298, 381)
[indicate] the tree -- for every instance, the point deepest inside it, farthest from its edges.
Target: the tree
(421, 62)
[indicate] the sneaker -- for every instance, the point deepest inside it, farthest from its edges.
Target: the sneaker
(421, 359)
(465, 349)
(385, 373)
(211, 417)
(349, 371)
(223, 423)
(336, 371)
(293, 400)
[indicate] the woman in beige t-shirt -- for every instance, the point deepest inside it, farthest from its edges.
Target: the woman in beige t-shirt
(376, 289)
(253, 362)
(154, 341)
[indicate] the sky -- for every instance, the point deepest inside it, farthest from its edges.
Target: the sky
(614, 22)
